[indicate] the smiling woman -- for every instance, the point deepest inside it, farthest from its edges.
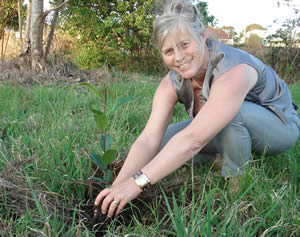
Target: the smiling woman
(234, 101)
(179, 54)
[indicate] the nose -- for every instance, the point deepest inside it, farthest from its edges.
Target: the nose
(179, 55)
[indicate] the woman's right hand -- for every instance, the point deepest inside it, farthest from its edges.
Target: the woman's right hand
(116, 197)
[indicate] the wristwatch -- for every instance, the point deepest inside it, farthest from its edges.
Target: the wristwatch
(141, 180)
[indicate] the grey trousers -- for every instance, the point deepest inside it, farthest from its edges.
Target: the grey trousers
(254, 129)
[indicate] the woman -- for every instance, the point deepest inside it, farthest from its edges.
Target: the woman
(237, 105)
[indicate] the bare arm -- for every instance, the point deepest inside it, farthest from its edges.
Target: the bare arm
(227, 94)
(147, 144)
(144, 149)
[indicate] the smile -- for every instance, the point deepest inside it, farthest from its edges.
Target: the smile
(183, 65)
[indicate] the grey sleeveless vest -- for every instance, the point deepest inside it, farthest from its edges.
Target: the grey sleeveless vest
(270, 91)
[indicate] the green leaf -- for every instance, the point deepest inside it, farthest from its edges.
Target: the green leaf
(101, 120)
(122, 101)
(98, 179)
(35, 198)
(105, 141)
(90, 87)
(97, 160)
(109, 156)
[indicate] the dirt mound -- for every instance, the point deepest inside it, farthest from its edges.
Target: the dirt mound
(55, 72)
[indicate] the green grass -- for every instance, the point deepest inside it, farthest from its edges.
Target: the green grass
(54, 127)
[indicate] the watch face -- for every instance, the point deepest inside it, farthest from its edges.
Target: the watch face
(141, 179)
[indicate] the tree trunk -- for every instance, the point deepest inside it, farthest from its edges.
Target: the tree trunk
(27, 30)
(20, 24)
(52, 28)
(36, 34)
(33, 52)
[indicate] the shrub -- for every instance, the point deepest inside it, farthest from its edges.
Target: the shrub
(254, 41)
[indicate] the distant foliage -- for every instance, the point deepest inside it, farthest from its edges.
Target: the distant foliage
(110, 31)
(254, 27)
(116, 33)
(9, 14)
(285, 53)
(254, 41)
(203, 8)
(287, 35)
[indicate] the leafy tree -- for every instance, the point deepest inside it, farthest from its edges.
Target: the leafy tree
(118, 25)
(288, 33)
(238, 38)
(254, 41)
(254, 27)
(230, 30)
(8, 13)
(116, 33)
(203, 8)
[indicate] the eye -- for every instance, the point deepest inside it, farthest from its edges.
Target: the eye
(168, 52)
(184, 45)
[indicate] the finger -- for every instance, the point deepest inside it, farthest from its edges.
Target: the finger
(101, 195)
(120, 207)
(112, 207)
(106, 203)
(96, 212)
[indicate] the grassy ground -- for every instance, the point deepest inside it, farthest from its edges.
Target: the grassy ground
(46, 133)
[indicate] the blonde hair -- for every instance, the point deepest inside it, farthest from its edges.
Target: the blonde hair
(173, 16)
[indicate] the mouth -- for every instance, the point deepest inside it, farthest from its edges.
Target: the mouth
(184, 65)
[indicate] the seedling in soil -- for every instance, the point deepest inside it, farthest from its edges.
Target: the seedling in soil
(107, 155)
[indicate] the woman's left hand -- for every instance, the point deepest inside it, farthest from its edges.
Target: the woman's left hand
(117, 196)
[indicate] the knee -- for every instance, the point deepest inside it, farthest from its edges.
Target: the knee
(172, 130)
(234, 128)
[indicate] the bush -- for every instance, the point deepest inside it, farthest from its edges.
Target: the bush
(90, 55)
(285, 61)
(254, 41)
(150, 64)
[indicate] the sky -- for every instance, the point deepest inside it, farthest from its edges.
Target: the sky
(241, 13)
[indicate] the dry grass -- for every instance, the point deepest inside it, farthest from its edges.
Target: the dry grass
(60, 72)
(19, 196)
(15, 73)
(11, 46)
(61, 43)
(284, 60)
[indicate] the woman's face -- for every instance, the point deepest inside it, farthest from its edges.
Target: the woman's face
(182, 54)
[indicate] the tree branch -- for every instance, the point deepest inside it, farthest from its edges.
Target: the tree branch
(55, 8)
